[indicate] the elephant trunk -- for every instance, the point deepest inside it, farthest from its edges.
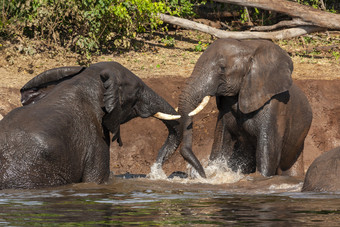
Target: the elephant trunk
(192, 95)
(154, 105)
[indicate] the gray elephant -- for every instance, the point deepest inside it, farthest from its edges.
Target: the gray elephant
(324, 173)
(263, 117)
(61, 134)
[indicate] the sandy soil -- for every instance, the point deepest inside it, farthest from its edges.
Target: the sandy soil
(165, 70)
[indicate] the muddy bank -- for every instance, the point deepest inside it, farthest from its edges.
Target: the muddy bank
(143, 137)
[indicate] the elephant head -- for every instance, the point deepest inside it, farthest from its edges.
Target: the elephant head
(251, 71)
(125, 97)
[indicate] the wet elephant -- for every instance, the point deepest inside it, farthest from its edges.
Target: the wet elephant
(263, 117)
(61, 134)
(324, 173)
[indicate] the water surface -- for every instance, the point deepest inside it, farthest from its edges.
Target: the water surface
(252, 200)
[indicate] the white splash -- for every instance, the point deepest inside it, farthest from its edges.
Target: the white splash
(156, 172)
(216, 172)
(219, 173)
(286, 187)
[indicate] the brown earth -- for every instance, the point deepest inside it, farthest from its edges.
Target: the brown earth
(165, 70)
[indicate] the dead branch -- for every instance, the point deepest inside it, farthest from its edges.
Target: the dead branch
(287, 24)
(283, 34)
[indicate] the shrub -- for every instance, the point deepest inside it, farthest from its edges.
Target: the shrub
(85, 26)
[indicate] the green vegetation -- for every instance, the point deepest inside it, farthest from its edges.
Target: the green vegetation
(169, 41)
(90, 27)
(330, 5)
(336, 55)
(86, 26)
(200, 47)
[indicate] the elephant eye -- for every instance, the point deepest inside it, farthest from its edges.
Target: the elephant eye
(222, 69)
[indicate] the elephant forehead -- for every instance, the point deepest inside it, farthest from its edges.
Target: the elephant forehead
(232, 46)
(227, 56)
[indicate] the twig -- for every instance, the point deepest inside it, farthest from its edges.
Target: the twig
(248, 16)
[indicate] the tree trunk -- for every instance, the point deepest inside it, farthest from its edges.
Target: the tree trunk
(306, 13)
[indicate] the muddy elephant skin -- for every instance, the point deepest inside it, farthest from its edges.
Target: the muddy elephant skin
(263, 117)
(62, 133)
(324, 173)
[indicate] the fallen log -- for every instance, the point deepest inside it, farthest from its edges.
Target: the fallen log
(283, 34)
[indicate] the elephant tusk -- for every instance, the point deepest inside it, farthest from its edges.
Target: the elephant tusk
(165, 116)
(200, 106)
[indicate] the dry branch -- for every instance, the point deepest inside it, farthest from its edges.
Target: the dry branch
(287, 24)
(283, 34)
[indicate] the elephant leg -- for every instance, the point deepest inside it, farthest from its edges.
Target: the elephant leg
(236, 151)
(268, 149)
(243, 157)
(297, 169)
(267, 158)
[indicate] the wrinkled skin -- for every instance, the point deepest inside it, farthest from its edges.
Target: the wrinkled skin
(324, 173)
(263, 117)
(61, 134)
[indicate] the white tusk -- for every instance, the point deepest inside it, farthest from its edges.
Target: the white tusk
(165, 116)
(200, 106)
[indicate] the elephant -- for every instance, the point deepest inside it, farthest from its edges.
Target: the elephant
(263, 117)
(61, 134)
(323, 174)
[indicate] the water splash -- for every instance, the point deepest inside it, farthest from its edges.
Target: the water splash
(217, 172)
(286, 187)
(156, 172)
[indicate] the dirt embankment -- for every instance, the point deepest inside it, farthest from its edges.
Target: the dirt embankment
(165, 70)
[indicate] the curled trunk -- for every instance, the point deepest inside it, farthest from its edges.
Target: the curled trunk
(154, 105)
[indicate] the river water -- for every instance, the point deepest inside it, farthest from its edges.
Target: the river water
(223, 199)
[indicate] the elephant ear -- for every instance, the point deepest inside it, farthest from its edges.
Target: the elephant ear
(40, 85)
(112, 104)
(269, 74)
